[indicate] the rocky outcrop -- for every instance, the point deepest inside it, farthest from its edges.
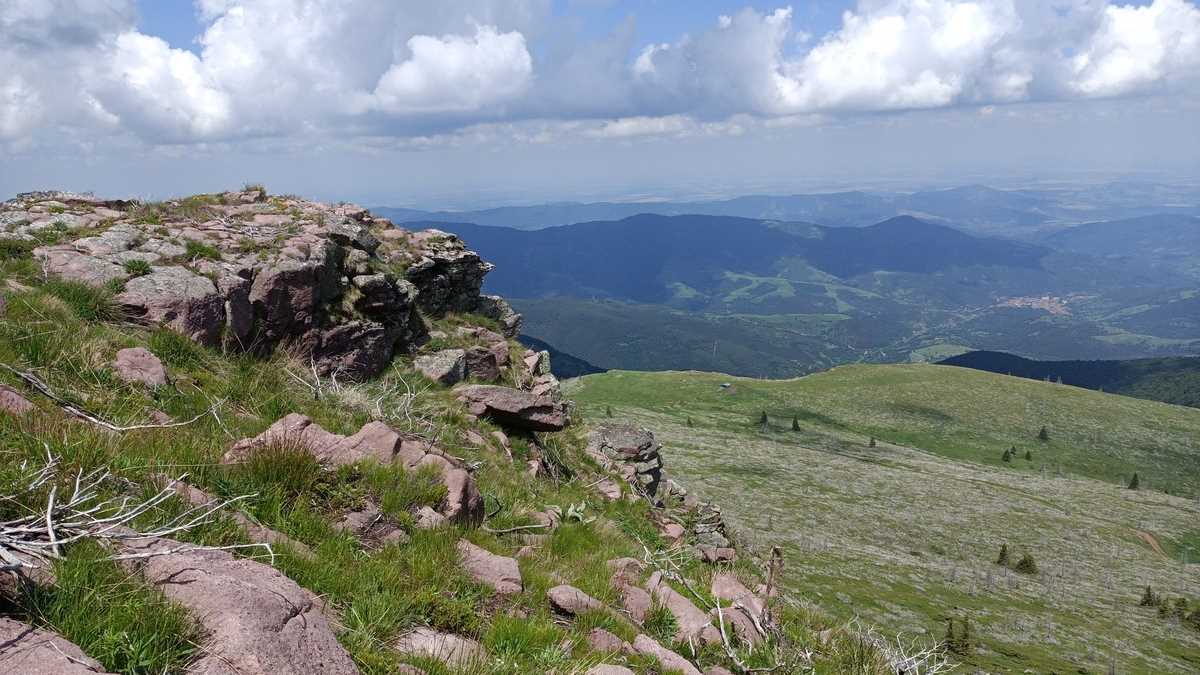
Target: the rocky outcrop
(631, 452)
(29, 651)
(246, 271)
(378, 442)
(448, 366)
(513, 408)
(258, 622)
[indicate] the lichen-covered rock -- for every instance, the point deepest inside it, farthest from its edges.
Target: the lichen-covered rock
(246, 271)
(453, 650)
(514, 408)
(448, 366)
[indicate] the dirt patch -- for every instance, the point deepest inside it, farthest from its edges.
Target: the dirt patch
(1152, 542)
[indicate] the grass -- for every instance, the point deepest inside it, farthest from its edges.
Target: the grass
(906, 534)
(56, 330)
(137, 268)
(200, 250)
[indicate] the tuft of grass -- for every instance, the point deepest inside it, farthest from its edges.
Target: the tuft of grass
(137, 268)
(660, 624)
(286, 470)
(16, 249)
(125, 625)
(87, 302)
(176, 350)
(200, 250)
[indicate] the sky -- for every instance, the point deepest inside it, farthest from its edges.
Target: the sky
(468, 103)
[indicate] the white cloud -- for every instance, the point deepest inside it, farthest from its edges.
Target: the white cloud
(416, 69)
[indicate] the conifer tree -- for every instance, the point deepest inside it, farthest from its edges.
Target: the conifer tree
(1028, 455)
(795, 423)
(1007, 456)
(1026, 565)
(871, 443)
(1148, 598)
(1044, 435)
(1133, 482)
(763, 422)
(608, 411)
(1002, 559)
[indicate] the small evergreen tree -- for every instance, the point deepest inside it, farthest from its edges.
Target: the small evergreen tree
(871, 443)
(967, 641)
(1133, 482)
(1026, 565)
(1044, 435)
(608, 411)
(1007, 456)
(1149, 599)
(795, 423)
(1002, 559)
(1028, 455)
(763, 422)
(689, 422)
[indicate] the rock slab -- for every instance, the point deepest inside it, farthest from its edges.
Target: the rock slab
(25, 650)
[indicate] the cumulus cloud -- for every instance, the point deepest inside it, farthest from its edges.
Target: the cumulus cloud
(414, 69)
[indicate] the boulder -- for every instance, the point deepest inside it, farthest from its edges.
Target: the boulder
(448, 366)
(717, 554)
(455, 651)
(497, 308)
(12, 402)
(626, 571)
(293, 429)
(355, 350)
(637, 603)
(739, 622)
(179, 299)
(514, 408)
(139, 365)
(727, 587)
(483, 364)
(717, 670)
(67, 263)
(569, 600)
(25, 650)
(258, 622)
(427, 518)
(502, 574)
(646, 645)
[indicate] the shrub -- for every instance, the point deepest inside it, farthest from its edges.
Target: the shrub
(795, 423)
(1002, 559)
(1149, 598)
(1026, 565)
(1133, 482)
(1007, 456)
(1044, 435)
(1028, 455)
(871, 443)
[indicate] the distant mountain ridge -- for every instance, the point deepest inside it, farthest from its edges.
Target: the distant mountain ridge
(654, 258)
(1170, 380)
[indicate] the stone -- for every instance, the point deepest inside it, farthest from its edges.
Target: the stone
(739, 622)
(452, 650)
(502, 574)
(717, 670)
(179, 299)
(293, 429)
(606, 669)
(691, 623)
(12, 402)
(496, 307)
(601, 640)
(356, 350)
(448, 366)
(257, 533)
(67, 263)
(714, 555)
(371, 524)
(626, 571)
(257, 621)
(448, 274)
(427, 518)
(644, 644)
(482, 364)
(636, 602)
(139, 365)
(571, 601)
(25, 650)
(727, 587)
(672, 532)
(514, 408)
(609, 489)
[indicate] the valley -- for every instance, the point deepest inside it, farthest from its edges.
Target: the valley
(905, 535)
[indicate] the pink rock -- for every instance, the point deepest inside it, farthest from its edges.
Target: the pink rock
(606, 669)
(601, 640)
(139, 365)
(502, 574)
(514, 408)
(570, 600)
(453, 650)
(427, 518)
(690, 621)
(717, 670)
(626, 571)
(738, 621)
(727, 587)
(482, 364)
(13, 402)
(258, 622)
(672, 532)
(67, 263)
(179, 299)
(644, 644)
(637, 603)
(294, 428)
(717, 554)
(609, 490)
(26, 650)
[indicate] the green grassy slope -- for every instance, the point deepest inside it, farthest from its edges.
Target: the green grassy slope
(905, 535)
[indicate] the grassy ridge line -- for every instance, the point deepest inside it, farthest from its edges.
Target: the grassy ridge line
(65, 333)
(906, 537)
(954, 412)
